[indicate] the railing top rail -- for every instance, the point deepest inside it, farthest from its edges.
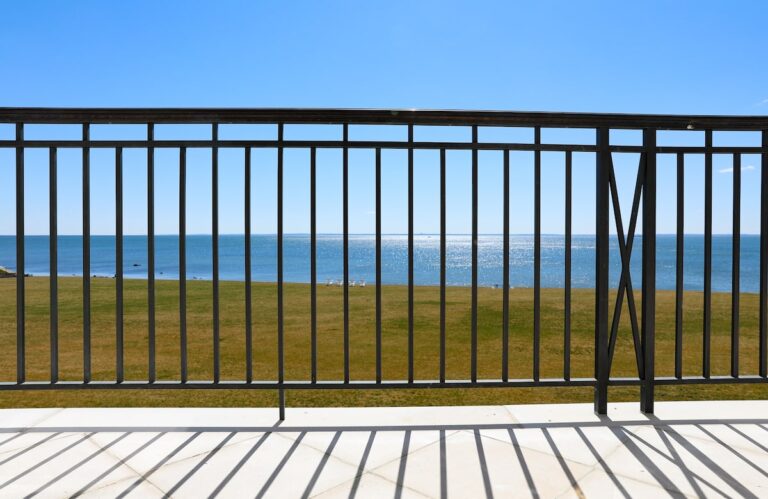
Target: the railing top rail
(377, 116)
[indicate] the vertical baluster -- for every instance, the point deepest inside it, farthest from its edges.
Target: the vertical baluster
(247, 263)
(567, 291)
(119, 341)
(763, 350)
(280, 339)
(313, 259)
(707, 253)
(736, 266)
(345, 160)
(151, 253)
(410, 253)
(53, 236)
(473, 348)
(505, 278)
(86, 254)
(680, 249)
(378, 265)
(183, 262)
(20, 267)
(537, 257)
(215, 249)
(442, 263)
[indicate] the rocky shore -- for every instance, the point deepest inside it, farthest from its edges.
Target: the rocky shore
(6, 273)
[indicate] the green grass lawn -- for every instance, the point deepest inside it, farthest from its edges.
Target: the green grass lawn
(362, 343)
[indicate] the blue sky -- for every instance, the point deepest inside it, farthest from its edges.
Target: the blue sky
(644, 57)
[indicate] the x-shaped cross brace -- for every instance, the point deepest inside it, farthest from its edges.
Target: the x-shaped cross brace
(625, 250)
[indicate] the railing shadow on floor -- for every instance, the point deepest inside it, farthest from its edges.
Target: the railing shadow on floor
(672, 457)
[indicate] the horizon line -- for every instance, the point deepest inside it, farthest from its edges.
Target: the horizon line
(385, 234)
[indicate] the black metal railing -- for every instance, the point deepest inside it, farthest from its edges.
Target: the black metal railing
(605, 330)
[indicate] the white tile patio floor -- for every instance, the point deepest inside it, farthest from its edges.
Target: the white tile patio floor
(711, 449)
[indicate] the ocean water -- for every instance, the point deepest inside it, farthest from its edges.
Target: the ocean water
(394, 259)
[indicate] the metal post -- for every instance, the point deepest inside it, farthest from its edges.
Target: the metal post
(648, 328)
(601, 271)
